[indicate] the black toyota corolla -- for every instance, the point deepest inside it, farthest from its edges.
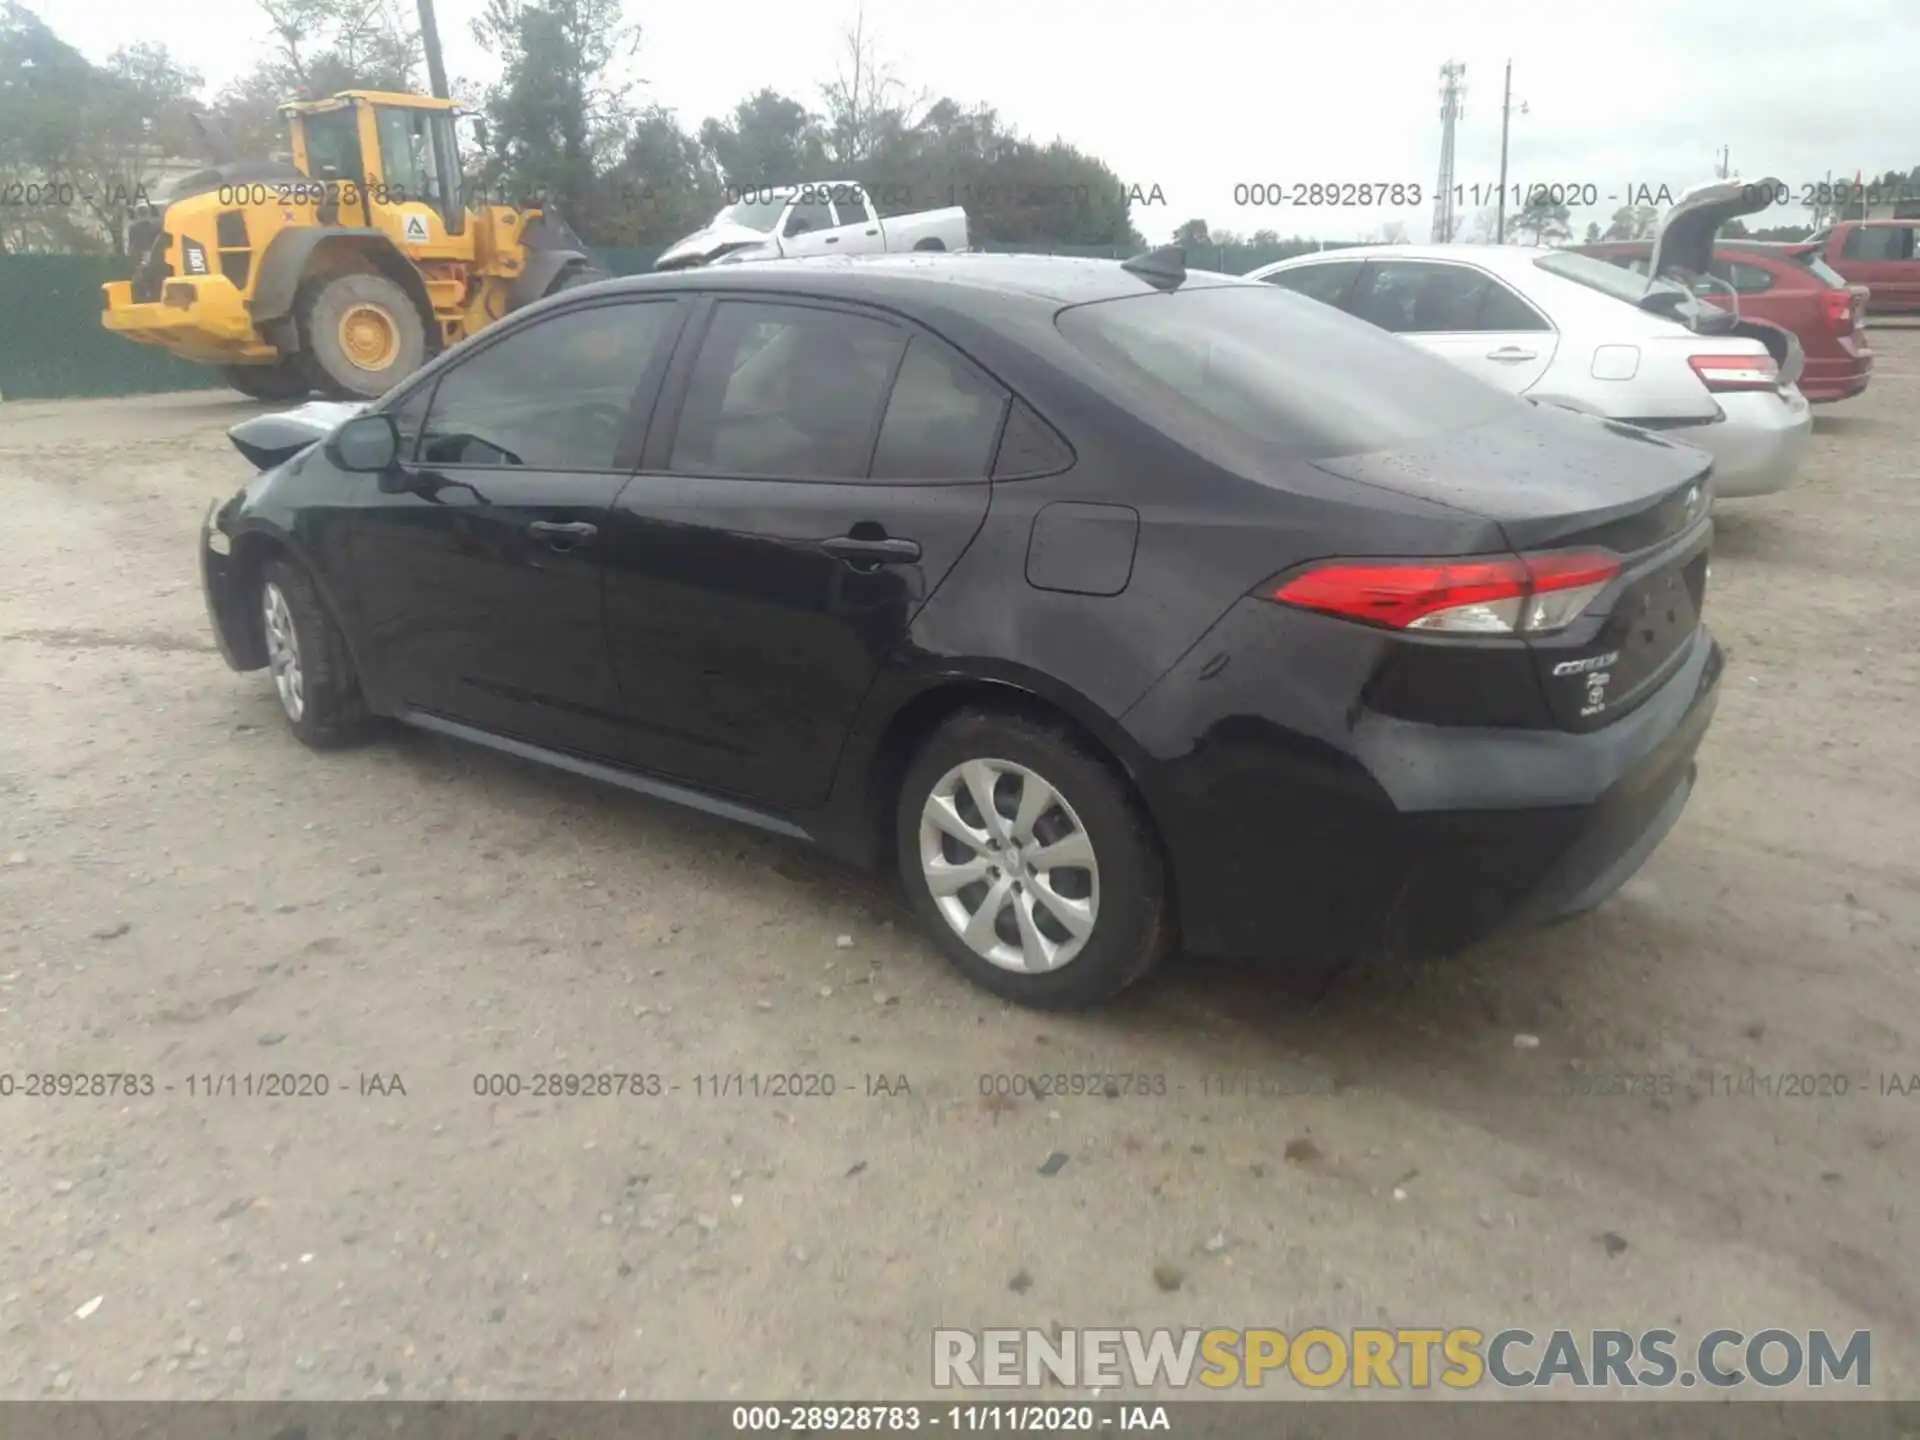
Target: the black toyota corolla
(1121, 607)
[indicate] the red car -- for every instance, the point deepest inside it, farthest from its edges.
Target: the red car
(1790, 286)
(1883, 255)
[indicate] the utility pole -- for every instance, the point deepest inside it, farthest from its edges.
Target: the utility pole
(1721, 166)
(1452, 92)
(430, 42)
(1506, 116)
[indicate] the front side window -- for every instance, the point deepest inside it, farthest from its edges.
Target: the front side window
(786, 391)
(1327, 282)
(554, 396)
(817, 215)
(333, 145)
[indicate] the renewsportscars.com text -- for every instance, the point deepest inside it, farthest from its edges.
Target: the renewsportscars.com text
(1457, 1359)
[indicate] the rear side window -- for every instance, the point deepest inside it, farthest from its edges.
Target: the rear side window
(1243, 373)
(1418, 298)
(786, 391)
(942, 419)
(1746, 279)
(1328, 282)
(1029, 446)
(1878, 242)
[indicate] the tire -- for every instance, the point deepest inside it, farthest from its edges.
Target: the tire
(283, 380)
(325, 709)
(361, 334)
(1132, 927)
(572, 277)
(930, 243)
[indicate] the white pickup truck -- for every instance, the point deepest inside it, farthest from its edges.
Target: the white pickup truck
(782, 221)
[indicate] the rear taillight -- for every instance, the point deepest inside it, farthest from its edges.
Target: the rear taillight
(1836, 308)
(1721, 373)
(1531, 595)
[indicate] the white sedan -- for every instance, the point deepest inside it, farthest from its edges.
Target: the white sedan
(1571, 330)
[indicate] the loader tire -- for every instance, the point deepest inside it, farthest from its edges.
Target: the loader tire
(361, 334)
(282, 380)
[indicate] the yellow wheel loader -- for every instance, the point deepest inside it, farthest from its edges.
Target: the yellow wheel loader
(344, 271)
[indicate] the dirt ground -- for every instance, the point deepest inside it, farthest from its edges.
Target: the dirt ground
(185, 892)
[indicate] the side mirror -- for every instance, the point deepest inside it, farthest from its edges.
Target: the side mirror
(365, 445)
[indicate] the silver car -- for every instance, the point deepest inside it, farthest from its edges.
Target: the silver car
(1570, 330)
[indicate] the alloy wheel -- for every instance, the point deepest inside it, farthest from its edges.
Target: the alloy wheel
(283, 651)
(1010, 866)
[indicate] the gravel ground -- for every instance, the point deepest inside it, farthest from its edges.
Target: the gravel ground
(185, 892)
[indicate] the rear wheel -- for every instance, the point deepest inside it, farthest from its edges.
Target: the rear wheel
(282, 380)
(361, 332)
(1030, 862)
(312, 672)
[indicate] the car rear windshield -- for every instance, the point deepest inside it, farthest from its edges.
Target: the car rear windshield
(1266, 370)
(1823, 272)
(1614, 280)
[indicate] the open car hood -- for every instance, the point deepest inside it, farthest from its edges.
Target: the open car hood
(268, 440)
(1684, 240)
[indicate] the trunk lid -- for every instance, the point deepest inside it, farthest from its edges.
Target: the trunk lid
(1559, 481)
(1684, 240)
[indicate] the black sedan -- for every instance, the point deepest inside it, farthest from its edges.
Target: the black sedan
(1120, 607)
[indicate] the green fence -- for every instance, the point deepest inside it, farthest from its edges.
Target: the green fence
(52, 344)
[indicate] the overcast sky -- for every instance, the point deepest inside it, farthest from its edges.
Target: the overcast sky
(1204, 95)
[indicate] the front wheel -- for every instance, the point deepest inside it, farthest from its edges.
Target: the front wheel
(1031, 863)
(312, 671)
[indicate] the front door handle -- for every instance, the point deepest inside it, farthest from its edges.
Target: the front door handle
(833, 239)
(871, 552)
(1512, 355)
(563, 536)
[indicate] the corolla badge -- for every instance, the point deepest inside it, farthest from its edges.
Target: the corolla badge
(1588, 665)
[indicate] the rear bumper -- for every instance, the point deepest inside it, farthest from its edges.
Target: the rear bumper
(214, 329)
(1831, 378)
(1758, 447)
(1414, 839)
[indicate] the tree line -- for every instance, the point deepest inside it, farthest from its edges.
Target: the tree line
(561, 127)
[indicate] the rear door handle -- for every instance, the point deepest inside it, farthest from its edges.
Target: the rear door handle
(563, 536)
(1512, 354)
(833, 239)
(871, 552)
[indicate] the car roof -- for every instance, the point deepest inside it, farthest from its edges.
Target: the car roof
(1501, 259)
(1053, 280)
